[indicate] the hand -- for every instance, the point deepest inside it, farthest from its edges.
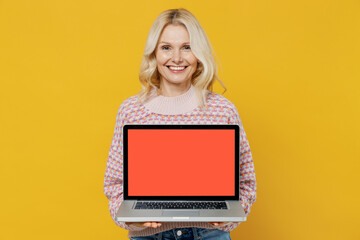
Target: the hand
(221, 223)
(145, 224)
(218, 223)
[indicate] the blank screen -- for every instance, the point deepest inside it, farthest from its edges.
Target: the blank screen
(181, 162)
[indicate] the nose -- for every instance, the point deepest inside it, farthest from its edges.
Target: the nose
(176, 57)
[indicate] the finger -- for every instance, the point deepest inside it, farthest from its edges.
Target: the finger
(158, 224)
(219, 223)
(147, 224)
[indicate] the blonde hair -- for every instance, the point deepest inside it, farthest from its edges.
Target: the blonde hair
(205, 75)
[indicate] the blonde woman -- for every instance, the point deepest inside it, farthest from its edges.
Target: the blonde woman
(177, 74)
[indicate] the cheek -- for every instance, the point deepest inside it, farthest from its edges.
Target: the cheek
(194, 63)
(161, 59)
(192, 59)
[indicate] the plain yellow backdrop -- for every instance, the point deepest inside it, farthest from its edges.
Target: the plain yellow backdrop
(290, 67)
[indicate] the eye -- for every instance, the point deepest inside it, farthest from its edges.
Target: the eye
(165, 47)
(187, 47)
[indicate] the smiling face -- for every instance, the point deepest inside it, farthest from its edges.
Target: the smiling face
(175, 61)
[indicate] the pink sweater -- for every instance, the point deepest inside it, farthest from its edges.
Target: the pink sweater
(183, 109)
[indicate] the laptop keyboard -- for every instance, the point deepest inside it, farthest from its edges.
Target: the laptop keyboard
(181, 205)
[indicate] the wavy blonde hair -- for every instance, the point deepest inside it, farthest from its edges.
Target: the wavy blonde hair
(205, 75)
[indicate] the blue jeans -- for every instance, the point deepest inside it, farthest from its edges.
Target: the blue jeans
(188, 234)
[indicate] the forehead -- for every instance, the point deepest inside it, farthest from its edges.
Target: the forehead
(174, 33)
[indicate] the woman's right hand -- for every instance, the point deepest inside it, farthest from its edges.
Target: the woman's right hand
(145, 224)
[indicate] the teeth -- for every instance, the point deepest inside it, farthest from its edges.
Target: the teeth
(176, 68)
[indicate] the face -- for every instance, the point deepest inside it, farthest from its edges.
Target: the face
(175, 61)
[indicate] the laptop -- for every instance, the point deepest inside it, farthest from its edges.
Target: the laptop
(177, 173)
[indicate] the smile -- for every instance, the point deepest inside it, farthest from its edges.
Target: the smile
(174, 68)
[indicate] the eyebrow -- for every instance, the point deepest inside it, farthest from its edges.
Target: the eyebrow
(170, 43)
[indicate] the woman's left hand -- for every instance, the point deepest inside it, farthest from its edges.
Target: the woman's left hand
(218, 223)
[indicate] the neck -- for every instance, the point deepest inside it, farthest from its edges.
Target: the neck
(179, 104)
(173, 90)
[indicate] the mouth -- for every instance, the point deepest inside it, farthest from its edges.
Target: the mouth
(176, 68)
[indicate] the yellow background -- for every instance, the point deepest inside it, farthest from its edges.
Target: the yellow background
(291, 68)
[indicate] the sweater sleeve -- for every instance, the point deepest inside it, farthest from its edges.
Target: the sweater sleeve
(247, 171)
(113, 181)
(247, 181)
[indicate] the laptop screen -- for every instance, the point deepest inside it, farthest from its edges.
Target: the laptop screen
(180, 162)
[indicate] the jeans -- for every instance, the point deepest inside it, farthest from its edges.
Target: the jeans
(188, 234)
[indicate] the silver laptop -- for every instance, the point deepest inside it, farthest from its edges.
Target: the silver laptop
(177, 173)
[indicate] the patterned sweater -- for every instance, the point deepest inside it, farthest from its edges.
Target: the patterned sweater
(182, 109)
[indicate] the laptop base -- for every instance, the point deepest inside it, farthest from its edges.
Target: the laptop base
(127, 213)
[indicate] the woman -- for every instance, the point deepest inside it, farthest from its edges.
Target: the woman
(177, 74)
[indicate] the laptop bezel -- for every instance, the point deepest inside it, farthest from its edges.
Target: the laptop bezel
(191, 198)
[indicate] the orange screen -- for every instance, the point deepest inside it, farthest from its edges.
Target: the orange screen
(181, 162)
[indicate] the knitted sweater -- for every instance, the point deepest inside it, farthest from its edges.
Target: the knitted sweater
(182, 109)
